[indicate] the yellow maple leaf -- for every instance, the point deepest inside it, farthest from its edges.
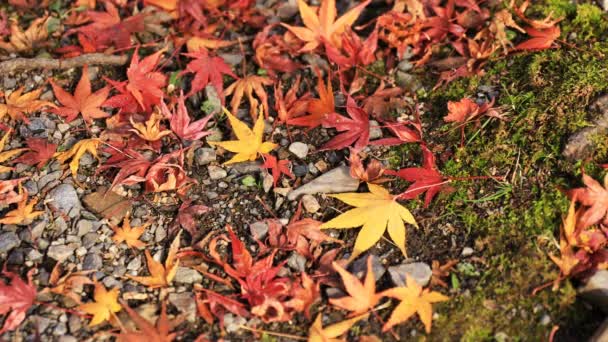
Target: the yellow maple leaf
(196, 43)
(375, 211)
(130, 235)
(362, 296)
(413, 300)
(104, 306)
(6, 155)
(160, 276)
(249, 144)
(17, 104)
(22, 41)
(248, 86)
(77, 151)
(150, 130)
(323, 26)
(23, 214)
(331, 333)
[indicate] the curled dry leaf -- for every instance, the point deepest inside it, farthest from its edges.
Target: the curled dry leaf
(18, 104)
(250, 85)
(160, 276)
(25, 41)
(160, 332)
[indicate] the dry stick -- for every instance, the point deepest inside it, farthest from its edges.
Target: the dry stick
(19, 64)
(272, 333)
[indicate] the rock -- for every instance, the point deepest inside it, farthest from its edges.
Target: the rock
(375, 132)
(601, 334)
(408, 81)
(595, 290)
(8, 241)
(297, 262)
(467, 251)
(232, 58)
(582, 144)
(216, 172)
(75, 324)
(63, 127)
(10, 83)
(299, 149)
(288, 9)
(187, 276)
(134, 264)
(83, 227)
(267, 182)
(310, 203)
(204, 156)
(92, 261)
(48, 178)
(420, 271)
(64, 199)
(245, 167)
(335, 181)
(60, 252)
(216, 135)
(213, 104)
(108, 204)
(259, 229)
(300, 170)
(604, 4)
(359, 267)
(233, 323)
(545, 320)
(184, 302)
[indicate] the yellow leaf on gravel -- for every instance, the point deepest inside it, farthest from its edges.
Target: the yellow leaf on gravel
(6, 155)
(249, 144)
(331, 333)
(130, 235)
(362, 296)
(376, 211)
(160, 276)
(413, 300)
(77, 151)
(23, 214)
(104, 306)
(17, 104)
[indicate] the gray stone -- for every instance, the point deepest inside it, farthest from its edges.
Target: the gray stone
(267, 182)
(288, 9)
(92, 261)
(31, 187)
(233, 323)
(60, 252)
(134, 264)
(419, 271)
(63, 127)
(375, 132)
(48, 178)
(75, 324)
(297, 262)
(334, 181)
(467, 251)
(84, 227)
(259, 229)
(582, 143)
(64, 199)
(8, 241)
(204, 156)
(187, 276)
(213, 103)
(595, 290)
(359, 267)
(9, 83)
(216, 172)
(60, 329)
(231, 58)
(184, 302)
(245, 167)
(310, 203)
(111, 282)
(299, 149)
(90, 239)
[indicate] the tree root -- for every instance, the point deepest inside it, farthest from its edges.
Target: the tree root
(20, 64)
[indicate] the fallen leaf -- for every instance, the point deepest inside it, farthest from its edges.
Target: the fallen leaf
(40, 151)
(250, 142)
(541, 39)
(186, 216)
(105, 304)
(207, 70)
(108, 204)
(24, 41)
(376, 211)
(83, 101)
(6, 155)
(69, 285)
(150, 130)
(160, 276)
(130, 235)
(161, 332)
(594, 196)
(8, 195)
(24, 214)
(16, 297)
(353, 130)
(248, 86)
(76, 152)
(362, 296)
(304, 295)
(180, 121)
(18, 104)
(439, 272)
(277, 167)
(331, 333)
(317, 109)
(413, 300)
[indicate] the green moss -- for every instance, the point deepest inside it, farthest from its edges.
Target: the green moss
(589, 21)
(559, 8)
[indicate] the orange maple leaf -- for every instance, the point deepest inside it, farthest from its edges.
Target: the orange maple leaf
(105, 305)
(160, 276)
(130, 235)
(248, 86)
(22, 41)
(148, 332)
(331, 333)
(363, 296)
(18, 104)
(23, 214)
(83, 101)
(317, 108)
(150, 130)
(323, 27)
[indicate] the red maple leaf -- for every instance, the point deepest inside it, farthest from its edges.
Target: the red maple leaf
(186, 216)
(83, 101)
(207, 70)
(317, 108)
(424, 179)
(357, 52)
(16, 297)
(595, 197)
(353, 131)
(277, 167)
(541, 38)
(41, 151)
(180, 121)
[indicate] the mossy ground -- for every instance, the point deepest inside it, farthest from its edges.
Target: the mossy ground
(512, 223)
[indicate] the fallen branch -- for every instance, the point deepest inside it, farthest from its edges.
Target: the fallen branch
(20, 64)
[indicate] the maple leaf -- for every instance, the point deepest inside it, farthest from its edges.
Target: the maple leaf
(160, 276)
(8, 195)
(105, 304)
(207, 70)
(186, 216)
(440, 271)
(288, 105)
(357, 51)
(425, 179)
(24, 214)
(323, 26)
(363, 296)
(77, 151)
(130, 235)
(595, 197)
(317, 108)
(248, 86)
(249, 143)
(83, 101)
(371, 174)
(6, 155)
(69, 285)
(542, 39)
(413, 300)
(23, 41)
(277, 167)
(180, 121)
(18, 104)
(461, 111)
(16, 297)
(331, 333)
(353, 130)
(150, 130)
(376, 211)
(304, 296)
(161, 332)
(40, 151)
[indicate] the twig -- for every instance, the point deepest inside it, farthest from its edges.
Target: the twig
(19, 64)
